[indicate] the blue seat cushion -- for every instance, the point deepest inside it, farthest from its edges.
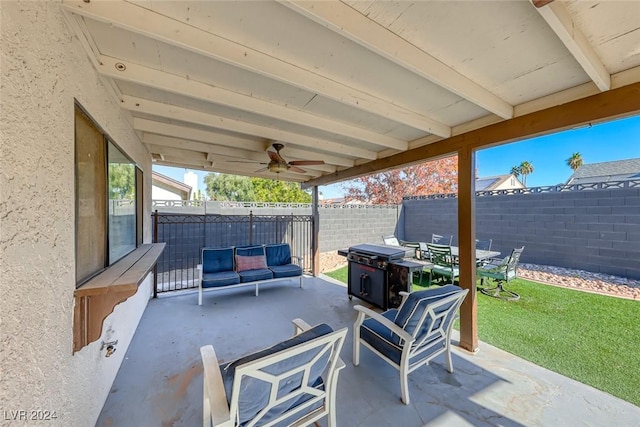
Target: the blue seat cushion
(253, 250)
(254, 394)
(413, 307)
(222, 278)
(278, 254)
(253, 275)
(381, 338)
(215, 260)
(288, 270)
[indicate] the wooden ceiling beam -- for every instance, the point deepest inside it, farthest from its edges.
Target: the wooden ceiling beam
(349, 23)
(173, 112)
(560, 21)
(120, 69)
(145, 22)
(616, 103)
(184, 132)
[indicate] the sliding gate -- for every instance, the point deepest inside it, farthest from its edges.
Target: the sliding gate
(186, 235)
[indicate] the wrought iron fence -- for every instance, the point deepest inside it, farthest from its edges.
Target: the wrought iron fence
(632, 183)
(186, 234)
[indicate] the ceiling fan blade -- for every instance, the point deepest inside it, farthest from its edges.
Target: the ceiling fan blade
(262, 170)
(297, 169)
(275, 156)
(306, 162)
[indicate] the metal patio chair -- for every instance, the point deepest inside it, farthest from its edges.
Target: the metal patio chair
(443, 262)
(484, 245)
(502, 271)
(390, 240)
(411, 335)
(442, 239)
(292, 383)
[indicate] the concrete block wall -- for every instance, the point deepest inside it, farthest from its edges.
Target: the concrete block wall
(348, 226)
(340, 227)
(593, 230)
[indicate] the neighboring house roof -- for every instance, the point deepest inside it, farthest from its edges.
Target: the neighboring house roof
(170, 184)
(341, 201)
(499, 182)
(619, 170)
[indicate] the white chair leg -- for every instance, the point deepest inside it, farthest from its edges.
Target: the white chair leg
(404, 380)
(300, 282)
(200, 295)
(356, 345)
(331, 416)
(256, 289)
(206, 411)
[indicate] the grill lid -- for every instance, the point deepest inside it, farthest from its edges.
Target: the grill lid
(383, 251)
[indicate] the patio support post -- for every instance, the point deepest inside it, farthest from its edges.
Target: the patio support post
(466, 242)
(315, 233)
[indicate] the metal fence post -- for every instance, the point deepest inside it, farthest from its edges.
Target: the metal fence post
(251, 227)
(155, 267)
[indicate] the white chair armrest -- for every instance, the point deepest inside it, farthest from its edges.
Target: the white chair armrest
(386, 322)
(300, 326)
(214, 387)
(404, 295)
(300, 261)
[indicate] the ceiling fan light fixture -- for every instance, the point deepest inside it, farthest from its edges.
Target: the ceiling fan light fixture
(278, 167)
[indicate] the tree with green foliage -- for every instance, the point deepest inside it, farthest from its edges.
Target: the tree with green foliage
(525, 168)
(271, 190)
(122, 181)
(515, 171)
(244, 189)
(224, 187)
(575, 161)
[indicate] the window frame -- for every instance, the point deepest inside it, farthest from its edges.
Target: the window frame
(102, 256)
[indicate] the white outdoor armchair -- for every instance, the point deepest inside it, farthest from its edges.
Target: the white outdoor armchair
(413, 334)
(292, 383)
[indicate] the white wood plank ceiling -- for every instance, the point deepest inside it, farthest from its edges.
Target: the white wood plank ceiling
(212, 85)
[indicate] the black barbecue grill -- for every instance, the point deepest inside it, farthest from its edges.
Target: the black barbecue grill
(377, 274)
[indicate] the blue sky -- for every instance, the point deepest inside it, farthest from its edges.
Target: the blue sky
(615, 140)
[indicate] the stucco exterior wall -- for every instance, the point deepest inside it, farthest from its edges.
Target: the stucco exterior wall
(44, 68)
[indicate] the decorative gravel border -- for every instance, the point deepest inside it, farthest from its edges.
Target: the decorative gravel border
(581, 280)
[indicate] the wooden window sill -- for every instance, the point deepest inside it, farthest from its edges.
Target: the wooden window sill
(97, 298)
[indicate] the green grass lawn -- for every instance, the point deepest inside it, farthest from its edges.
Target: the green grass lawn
(594, 339)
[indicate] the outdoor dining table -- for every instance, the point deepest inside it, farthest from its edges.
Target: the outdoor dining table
(420, 265)
(481, 254)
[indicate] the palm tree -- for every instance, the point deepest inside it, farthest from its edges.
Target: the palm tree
(515, 171)
(525, 169)
(575, 161)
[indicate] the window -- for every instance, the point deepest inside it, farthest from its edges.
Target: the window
(108, 200)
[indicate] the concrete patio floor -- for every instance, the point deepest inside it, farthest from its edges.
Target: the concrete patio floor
(160, 380)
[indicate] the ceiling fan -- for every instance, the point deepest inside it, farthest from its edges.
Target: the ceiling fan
(278, 164)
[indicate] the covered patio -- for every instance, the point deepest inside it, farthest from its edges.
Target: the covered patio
(160, 380)
(343, 89)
